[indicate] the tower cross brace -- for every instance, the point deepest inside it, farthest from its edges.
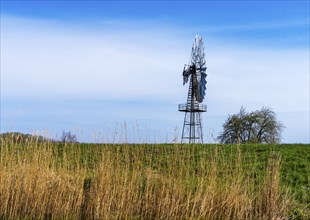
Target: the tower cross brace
(192, 126)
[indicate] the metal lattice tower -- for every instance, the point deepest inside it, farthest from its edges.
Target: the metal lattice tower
(195, 72)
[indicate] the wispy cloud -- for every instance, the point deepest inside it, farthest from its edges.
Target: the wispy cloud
(258, 26)
(50, 60)
(119, 65)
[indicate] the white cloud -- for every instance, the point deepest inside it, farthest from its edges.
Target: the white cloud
(257, 77)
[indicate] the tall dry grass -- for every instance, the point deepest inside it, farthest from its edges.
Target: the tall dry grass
(54, 181)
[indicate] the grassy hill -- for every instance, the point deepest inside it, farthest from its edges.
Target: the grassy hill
(150, 181)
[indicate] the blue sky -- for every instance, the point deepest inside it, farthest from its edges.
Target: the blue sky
(112, 71)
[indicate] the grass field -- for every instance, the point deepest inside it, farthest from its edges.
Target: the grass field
(50, 180)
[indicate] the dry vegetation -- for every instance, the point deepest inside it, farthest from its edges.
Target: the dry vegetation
(68, 181)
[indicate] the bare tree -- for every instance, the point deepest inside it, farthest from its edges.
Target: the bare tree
(68, 137)
(260, 126)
